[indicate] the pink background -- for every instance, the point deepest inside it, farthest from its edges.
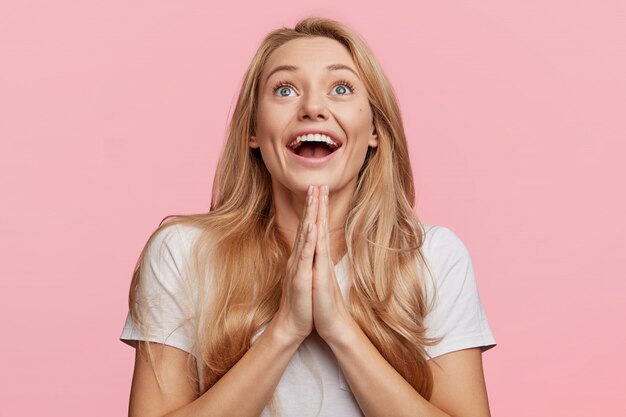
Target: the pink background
(112, 115)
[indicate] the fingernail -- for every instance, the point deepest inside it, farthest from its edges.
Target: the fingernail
(309, 228)
(310, 190)
(309, 200)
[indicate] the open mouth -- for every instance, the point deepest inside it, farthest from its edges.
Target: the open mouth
(313, 145)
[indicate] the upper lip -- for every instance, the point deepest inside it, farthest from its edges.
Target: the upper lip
(328, 133)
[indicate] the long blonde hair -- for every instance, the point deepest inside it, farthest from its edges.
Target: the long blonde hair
(239, 256)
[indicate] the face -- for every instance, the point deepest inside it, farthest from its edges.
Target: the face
(314, 122)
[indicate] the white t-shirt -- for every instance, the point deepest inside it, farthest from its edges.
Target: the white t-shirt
(322, 390)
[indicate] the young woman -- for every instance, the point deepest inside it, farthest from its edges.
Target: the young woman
(310, 287)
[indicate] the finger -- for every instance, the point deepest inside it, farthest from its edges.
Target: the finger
(327, 218)
(307, 252)
(323, 220)
(322, 211)
(304, 211)
(312, 214)
(322, 248)
(310, 210)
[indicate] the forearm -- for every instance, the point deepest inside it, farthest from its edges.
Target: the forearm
(378, 388)
(248, 386)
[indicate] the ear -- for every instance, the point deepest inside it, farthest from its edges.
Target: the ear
(253, 143)
(373, 142)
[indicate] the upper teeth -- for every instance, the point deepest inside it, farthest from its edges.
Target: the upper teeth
(312, 137)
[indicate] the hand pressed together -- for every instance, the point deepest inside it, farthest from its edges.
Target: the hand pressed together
(311, 295)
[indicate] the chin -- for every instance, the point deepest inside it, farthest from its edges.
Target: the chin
(300, 186)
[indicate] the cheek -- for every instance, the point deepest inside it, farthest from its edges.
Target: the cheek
(362, 111)
(272, 120)
(361, 120)
(262, 119)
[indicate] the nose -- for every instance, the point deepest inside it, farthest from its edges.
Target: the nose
(313, 107)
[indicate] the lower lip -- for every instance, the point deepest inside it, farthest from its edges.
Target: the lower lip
(313, 162)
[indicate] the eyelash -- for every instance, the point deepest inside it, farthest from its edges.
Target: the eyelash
(348, 84)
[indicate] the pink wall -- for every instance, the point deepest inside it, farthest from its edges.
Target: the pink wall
(112, 115)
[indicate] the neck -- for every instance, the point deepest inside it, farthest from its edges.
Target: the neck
(289, 208)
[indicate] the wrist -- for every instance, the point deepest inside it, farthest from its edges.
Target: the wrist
(281, 333)
(344, 336)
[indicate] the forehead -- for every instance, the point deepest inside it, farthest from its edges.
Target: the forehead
(308, 53)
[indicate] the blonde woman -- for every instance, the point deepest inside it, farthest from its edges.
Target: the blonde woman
(309, 288)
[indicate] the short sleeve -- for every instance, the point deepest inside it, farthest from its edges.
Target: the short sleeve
(164, 301)
(457, 314)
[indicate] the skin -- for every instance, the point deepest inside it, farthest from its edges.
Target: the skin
(313, 102)
(311, 206)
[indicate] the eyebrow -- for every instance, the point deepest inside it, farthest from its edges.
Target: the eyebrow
(292, 68)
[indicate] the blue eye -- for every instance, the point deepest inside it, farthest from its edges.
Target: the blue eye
(343, 88)
(283, 89)
(340, 88)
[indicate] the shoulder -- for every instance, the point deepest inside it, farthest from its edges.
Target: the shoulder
(167, 253)
(455, 308)
(443, 246)
(178, 233)
(173, 239)
(165, 297)
(450, 272)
